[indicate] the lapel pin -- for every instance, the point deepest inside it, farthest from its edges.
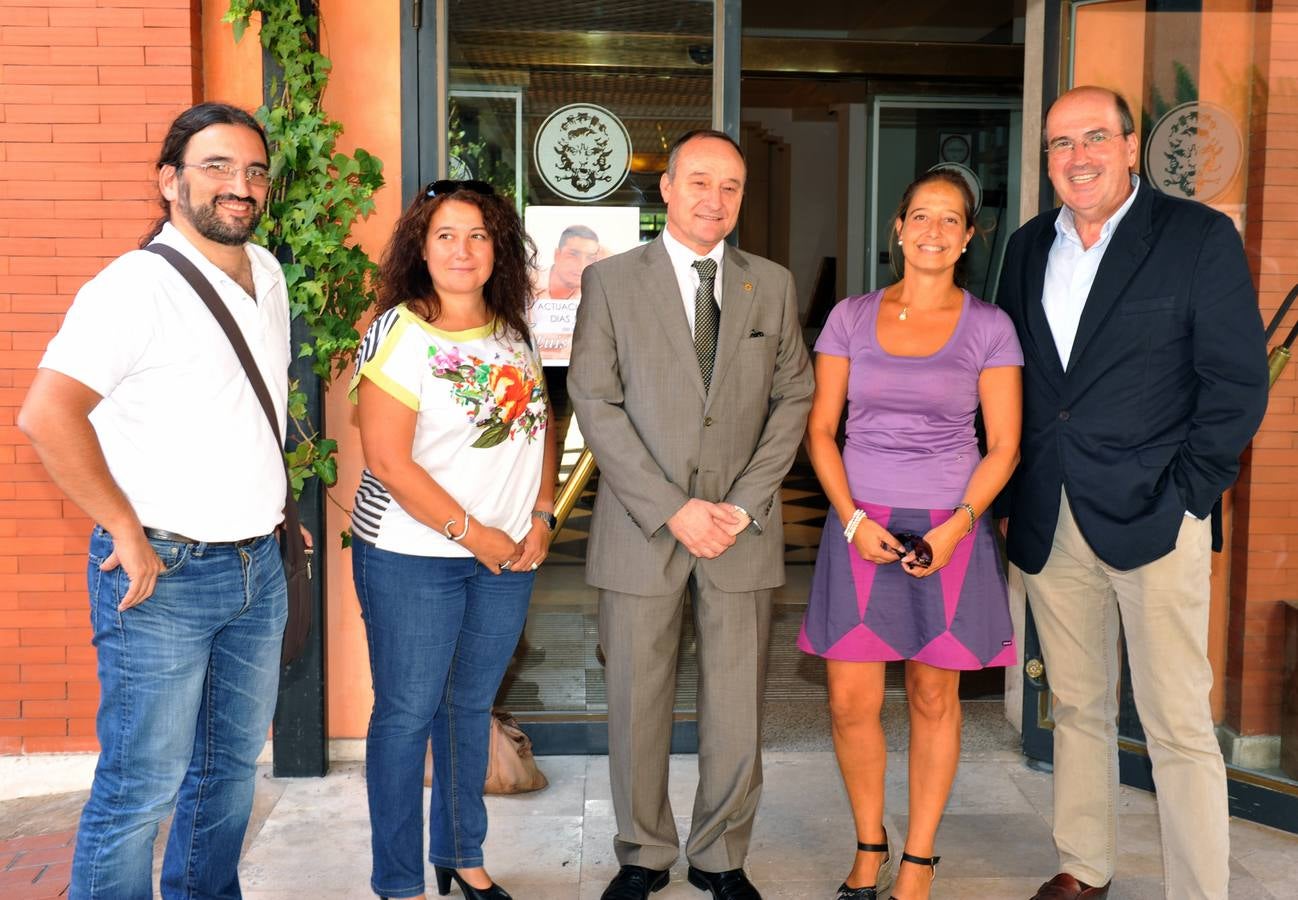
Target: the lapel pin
(748, 286)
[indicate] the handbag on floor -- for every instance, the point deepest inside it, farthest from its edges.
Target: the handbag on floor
(511, 767)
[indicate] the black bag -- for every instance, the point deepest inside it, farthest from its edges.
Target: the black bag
(293, 549)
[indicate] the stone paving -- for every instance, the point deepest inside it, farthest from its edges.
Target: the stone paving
(36, 866)
(310, 837)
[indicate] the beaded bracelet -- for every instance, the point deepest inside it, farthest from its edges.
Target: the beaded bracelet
(850, 531)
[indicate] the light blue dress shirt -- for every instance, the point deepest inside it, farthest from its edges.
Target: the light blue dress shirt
(1070, 272)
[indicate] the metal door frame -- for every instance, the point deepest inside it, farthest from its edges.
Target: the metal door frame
(425, 90)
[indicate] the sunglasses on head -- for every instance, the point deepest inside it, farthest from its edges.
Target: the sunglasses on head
(450, 186)
(912, 542)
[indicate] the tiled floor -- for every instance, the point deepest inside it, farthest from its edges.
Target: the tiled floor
(310, 837)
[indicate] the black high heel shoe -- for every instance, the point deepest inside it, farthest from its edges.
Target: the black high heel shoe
(930, 861)
(871, 892)
(445, 876)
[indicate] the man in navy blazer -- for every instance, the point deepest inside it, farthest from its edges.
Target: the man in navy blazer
(1144, 379)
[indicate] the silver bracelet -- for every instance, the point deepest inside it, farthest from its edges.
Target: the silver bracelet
(446, 529)
(857, 518)
(973, 516)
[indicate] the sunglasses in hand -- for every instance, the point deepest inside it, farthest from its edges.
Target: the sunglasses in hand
(913, 543)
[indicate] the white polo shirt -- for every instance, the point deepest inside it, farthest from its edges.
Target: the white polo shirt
(183, 433)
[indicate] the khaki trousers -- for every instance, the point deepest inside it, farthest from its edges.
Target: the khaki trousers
(1078, 603)
(640, 637)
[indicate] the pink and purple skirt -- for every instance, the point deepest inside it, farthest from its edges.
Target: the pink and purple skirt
(957, 618)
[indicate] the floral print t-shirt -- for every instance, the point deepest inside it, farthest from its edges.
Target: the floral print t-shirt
(479, 432)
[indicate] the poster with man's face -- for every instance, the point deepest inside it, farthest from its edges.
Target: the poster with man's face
(568, 239)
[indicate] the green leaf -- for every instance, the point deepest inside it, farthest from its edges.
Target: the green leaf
(493, 435)
(326, 470)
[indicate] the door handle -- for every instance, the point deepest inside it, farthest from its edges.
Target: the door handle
(1036, 670)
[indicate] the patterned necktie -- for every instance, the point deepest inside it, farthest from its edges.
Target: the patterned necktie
(707, 319)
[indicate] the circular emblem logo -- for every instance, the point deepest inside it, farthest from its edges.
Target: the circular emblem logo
(582, 152)
(1194, 151)
(970, 178)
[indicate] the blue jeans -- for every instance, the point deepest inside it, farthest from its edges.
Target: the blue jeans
(187, 688)
(441, 632)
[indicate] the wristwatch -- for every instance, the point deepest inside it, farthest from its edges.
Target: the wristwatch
(546, 517)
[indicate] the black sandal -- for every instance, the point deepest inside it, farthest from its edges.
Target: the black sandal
(930, 861)
(871, 892)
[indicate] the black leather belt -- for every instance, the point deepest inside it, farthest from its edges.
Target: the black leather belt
(159, 535)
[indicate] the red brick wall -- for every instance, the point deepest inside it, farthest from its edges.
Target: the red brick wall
(1265, 539)
(87, 89)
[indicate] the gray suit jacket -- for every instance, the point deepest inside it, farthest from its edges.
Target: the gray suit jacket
(659, 439)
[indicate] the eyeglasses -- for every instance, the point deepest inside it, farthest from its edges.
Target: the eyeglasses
(257, 176)
(450, 186)
(912, 542)
(1092, 140)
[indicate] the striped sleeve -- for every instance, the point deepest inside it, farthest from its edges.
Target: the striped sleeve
(383, 360)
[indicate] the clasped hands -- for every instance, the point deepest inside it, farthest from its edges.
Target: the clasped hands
(876, 544)
(706, 529)
(498, 551)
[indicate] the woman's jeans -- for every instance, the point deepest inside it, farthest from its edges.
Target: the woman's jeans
(441, 632)
(187, 685)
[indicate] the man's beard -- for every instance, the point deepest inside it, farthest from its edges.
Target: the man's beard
(207, 219)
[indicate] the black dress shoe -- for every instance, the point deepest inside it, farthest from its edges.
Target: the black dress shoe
(731, 884)
(446, 874)
(635, 883)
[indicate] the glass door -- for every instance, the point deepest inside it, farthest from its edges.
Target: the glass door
(570, 109)
(977, 137)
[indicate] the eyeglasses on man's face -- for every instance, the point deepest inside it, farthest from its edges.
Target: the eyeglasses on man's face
(257, 176)
(450, 186)
(1062, 147)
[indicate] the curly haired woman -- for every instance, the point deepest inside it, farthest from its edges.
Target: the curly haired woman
(451, 520)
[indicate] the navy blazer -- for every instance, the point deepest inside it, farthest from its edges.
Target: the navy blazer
(1166, 383)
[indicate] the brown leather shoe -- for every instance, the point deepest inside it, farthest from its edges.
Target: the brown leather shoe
(1065, 887)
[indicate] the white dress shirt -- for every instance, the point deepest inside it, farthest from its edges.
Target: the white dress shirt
(1070, 272)
(687, 277)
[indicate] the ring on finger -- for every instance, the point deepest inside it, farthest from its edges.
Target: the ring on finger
(504, 565)
(535, 566)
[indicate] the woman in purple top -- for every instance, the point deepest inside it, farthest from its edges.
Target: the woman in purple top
(907, 569)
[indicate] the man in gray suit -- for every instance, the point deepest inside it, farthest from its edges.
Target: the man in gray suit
(694, 412)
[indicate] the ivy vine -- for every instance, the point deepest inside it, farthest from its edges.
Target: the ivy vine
(317, 194)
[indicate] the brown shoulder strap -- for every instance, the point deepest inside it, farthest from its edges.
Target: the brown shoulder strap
(294, 546)
(208, 295)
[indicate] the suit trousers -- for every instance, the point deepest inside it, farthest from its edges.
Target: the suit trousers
(640, 637)
(1079, 604)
